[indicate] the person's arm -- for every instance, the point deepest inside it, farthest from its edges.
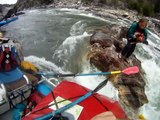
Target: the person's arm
(145, 37)
(131, 32)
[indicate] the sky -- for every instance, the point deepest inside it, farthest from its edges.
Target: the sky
(8, 1)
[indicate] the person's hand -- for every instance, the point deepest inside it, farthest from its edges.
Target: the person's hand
(104, 116)
(140, 39)
(145, 42)
(137, 34)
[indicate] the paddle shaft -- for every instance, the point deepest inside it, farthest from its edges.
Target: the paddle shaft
(85, 74)
(62, 109)
(157, 49)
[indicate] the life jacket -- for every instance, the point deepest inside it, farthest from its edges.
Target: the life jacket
(8, 58)
(135, 28)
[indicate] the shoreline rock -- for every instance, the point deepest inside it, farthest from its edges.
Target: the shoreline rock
(105, 54)
(131, 89)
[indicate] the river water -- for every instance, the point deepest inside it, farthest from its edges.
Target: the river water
(58, 39)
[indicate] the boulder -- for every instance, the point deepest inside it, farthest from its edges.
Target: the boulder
(105, 54)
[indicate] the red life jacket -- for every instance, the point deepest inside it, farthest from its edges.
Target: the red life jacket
(8, 56)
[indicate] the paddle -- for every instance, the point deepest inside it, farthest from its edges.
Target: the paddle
(127, 71)
(154, 47)
(157, 49)
(62, 109)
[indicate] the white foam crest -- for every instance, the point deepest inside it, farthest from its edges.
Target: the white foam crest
(78, 28)
(70, 10)
(152, 89)
(152, 74)
(53, 12)
(150, 112)
(43, 64)
(154, 35)
(33, 11)
(91, 15)
(86, 14)
(152, 70)
(69, 44)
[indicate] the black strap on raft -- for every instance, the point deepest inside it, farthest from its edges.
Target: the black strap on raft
(21, 93)
(59, 117)
(12, 96)
(10, 100)
(54, 99)
(57, 103)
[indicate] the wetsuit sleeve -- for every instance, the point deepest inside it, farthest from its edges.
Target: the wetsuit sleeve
(131, 31)
(146, 36)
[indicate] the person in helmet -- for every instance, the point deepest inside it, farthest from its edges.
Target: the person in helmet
(137, 33)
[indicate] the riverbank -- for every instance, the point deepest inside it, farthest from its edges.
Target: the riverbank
(106, 11)
(97, 8)
(102, 12)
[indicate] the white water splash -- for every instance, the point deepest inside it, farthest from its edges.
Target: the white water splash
(151, 110)
(78, 28)
(92, 82)
(70, 44)
(43, 64)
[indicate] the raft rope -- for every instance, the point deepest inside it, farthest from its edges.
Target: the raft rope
(71, 99)
(54, 98)
(10, 100)
(21, 93)
(11, 96)
(57, 103)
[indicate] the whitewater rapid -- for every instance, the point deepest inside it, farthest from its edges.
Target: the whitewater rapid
(65, 44)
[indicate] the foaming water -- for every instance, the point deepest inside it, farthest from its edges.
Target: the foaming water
(70, 52)
(58, 41)
(78, 28)
(43, 64)
(92, 82)
(151, 110)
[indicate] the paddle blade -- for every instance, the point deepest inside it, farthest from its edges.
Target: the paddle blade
(131, 70)
(157, 49)
(100, 86)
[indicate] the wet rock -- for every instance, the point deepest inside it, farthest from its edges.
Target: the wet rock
(105, 54)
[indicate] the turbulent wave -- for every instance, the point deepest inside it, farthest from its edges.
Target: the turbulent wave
(62, 38)
(151, 110)
(43, 64)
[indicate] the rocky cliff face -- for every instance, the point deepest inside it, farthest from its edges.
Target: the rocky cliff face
(105, 54)
(4, 9)
(24, 4)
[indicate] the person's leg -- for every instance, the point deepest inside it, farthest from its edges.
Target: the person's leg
(126, 49)
(131, 50)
